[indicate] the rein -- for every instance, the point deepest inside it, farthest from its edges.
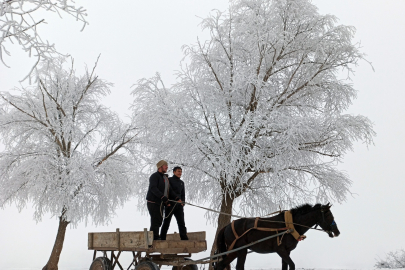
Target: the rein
(270, 221)
(161, 212)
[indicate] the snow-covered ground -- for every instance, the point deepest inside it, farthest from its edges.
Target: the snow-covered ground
(202, 268)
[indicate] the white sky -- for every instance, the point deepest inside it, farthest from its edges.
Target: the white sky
(138, 38)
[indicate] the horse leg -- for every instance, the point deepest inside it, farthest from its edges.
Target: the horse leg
(284, 265)
(225, 263)
(240, 264)
(286, 260)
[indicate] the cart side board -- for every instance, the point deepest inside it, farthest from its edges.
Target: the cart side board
(143, 241)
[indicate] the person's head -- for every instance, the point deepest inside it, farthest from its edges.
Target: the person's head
(162, 166)
(177, 171)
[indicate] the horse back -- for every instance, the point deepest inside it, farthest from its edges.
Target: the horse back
(240, 226)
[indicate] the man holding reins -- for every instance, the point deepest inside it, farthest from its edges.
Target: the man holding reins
(158, 195)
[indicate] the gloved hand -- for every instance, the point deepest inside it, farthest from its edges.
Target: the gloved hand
(164, 199)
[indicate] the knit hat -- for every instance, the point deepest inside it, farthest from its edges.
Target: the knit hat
(161, 163)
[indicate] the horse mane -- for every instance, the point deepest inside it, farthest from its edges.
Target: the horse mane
(304, 209)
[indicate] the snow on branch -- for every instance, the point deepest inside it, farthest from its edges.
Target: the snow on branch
(256, 113)
(65, 151)
(393, 260)
(19, 25)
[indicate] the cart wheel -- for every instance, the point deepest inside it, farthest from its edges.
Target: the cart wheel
(186, 267)
(101, 263)
(147, 265)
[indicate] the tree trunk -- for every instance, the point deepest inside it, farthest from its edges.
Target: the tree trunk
(223, 220)
(53, 261)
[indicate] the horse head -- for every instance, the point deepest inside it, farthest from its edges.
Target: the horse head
(327, 222)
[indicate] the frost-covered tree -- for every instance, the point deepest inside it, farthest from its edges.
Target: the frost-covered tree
(393, 260)
(257, 113)
(64, 151)
(19, 25)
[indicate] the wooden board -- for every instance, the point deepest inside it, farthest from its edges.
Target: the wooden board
(103, 240)
(120, 240)
(197, 236)
(179, 246)
(133, 240)
(143, 241)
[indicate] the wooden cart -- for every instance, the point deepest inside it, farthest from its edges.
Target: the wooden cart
(148, 254)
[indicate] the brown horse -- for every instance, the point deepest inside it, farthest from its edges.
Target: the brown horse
(306, 215)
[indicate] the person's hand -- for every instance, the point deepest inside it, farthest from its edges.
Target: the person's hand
(182, 203)
(179, 201)
(164, 199)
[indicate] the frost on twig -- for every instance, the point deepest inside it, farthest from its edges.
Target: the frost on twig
(65, 151)
(393, 260)
(256, 115)
(18, 25)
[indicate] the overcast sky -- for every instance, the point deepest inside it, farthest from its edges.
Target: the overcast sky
(138, 38)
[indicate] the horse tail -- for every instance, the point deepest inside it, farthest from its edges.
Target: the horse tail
(221, 245)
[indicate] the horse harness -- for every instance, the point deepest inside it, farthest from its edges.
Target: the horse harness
(288, 222)
(332, 226)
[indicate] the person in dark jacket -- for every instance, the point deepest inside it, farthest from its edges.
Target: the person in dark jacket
(176, 209)
(159, 192)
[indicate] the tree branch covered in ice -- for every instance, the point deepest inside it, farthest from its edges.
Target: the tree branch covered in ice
(257, 112)
(392, 260)
(19, 25)
(64, 150)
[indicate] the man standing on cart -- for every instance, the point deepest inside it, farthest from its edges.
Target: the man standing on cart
(176, 209)
(158, 195)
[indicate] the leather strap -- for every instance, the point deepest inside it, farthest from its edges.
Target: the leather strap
(290, 225)
(237, 237)
(256, 222)
(234, 231)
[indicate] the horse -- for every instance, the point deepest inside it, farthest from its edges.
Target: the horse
(305, 215)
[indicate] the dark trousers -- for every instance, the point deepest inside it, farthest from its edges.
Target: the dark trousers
(156, 218)
(178, 213)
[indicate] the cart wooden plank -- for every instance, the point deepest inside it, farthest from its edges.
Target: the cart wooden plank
(134, 240)
(197, 236)
(179, 246)
(119, 240)
(143, 241)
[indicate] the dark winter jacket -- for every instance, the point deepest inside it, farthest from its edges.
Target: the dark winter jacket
(157, 188)
(177, 186)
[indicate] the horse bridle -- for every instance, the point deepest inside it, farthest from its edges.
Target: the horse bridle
(332, 226)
